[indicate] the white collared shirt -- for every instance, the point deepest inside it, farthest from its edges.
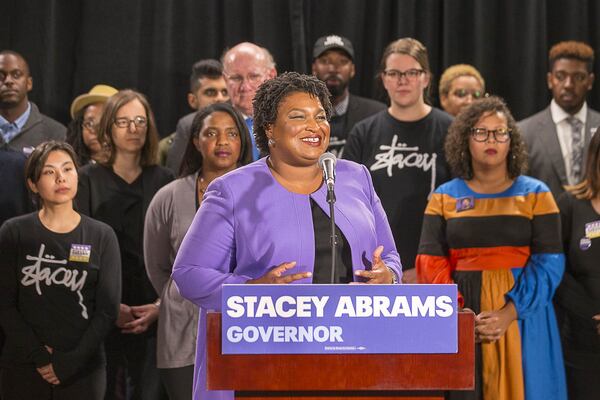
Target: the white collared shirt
(563, 130)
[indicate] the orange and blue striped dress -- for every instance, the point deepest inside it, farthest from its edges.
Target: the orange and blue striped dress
(497, 248)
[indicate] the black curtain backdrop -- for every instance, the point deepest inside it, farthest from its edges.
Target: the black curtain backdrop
(150, 45)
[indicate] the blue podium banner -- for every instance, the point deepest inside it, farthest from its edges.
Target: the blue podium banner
(317, 319)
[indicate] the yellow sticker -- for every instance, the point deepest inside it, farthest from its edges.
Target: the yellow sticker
(592, 229)
(80, 253)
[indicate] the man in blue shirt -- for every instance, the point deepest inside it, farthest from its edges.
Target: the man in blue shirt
(22, 126)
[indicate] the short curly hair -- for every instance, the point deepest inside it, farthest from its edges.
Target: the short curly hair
(455, 71)
(272, 92)
(574, 50)
(457, 140)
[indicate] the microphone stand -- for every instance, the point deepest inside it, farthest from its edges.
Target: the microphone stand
(333, 237)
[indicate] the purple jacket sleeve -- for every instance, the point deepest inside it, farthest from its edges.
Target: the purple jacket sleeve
(206, 259)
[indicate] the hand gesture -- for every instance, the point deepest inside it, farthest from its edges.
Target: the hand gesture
(144, 317)
(379, 272)
(275, 276)
(492, 325)
(125, 315)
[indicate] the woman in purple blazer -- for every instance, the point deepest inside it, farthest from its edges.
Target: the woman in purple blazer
(269, 222)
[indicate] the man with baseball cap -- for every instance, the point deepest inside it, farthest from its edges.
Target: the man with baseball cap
(333, 63)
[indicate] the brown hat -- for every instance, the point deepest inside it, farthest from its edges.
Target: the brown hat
(98, 94)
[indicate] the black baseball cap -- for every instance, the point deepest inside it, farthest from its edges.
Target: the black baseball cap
(333, 42)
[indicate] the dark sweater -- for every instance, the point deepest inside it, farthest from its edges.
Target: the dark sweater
(60, 290)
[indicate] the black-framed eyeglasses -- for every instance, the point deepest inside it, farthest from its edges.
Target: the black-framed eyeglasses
(462, 93)
(410, 74)
(124, 122)
(90, 125)
(501, 135)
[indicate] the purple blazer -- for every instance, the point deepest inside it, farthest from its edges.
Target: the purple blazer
(248, 223)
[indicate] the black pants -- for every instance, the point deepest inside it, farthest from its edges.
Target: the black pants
(25, 383)
(582, 383)
(178, 382)
(131, 368)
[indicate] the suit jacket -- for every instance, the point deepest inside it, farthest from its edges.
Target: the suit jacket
(545, 156)
(360, 108)
(248, 223)
(38, 128)
(180, 141)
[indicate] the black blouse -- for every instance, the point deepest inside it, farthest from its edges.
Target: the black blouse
(343, 263)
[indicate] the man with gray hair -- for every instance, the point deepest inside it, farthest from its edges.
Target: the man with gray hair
(245, 67)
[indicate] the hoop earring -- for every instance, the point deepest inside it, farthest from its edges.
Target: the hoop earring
(271, 142)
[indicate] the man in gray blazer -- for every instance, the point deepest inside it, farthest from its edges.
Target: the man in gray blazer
(558, 136)
(22, 126)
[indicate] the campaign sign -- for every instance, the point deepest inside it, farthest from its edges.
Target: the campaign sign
(317, 319)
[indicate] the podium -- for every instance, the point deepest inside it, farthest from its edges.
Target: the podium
(342, 376)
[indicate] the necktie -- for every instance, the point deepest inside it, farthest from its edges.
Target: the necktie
(577, 143)
(8, 132)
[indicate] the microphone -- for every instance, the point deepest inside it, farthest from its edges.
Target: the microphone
(327, 163)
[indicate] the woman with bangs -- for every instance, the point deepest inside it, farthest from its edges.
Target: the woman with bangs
(496, 234)
(60, 285)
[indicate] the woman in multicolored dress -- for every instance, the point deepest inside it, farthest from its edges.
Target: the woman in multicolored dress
(496, 234)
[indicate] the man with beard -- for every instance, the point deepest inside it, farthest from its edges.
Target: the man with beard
(22, 126)
(333, 63)
(557, 137)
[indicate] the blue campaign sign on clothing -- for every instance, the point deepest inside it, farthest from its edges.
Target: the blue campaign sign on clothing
(316, 319)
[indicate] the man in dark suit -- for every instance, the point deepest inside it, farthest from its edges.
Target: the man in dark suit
(207, 86)
(558, 136)
(22, 126)
(333, 63)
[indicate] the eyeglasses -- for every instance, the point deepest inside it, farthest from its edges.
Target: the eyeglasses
(124, 122)
(562, 76)
(90, 125)
(411, 74)
(253, 79)
(501, 135)
(462, 93)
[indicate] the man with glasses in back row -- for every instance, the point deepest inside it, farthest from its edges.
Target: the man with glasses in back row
(403, 146)
(558, 136)
(245, 67)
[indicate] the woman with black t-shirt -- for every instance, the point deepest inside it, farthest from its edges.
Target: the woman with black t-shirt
(577, 298)
(119, 193)
(60, 286)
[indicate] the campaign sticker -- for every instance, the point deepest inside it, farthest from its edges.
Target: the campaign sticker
(80, 253)
(465, 203)
(592, 229)
(585, 243)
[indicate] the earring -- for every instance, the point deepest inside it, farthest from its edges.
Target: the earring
(271, 142)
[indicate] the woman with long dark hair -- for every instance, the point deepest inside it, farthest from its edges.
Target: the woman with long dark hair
(577, 299)
(60, 286)
(219, 143)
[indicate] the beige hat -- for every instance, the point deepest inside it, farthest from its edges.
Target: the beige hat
(98, 94)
